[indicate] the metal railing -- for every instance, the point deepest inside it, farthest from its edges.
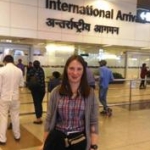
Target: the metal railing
(125, 93)
(128, 92)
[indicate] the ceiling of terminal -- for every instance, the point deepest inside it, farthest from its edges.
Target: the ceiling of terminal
(88, 48)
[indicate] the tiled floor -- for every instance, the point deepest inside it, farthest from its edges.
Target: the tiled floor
(124, 130)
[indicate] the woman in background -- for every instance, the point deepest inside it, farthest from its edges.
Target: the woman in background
(38, 92)
(143, 75)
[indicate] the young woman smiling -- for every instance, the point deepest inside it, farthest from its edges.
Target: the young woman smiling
(72, 116)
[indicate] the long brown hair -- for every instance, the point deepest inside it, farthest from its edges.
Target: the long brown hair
(84, 88)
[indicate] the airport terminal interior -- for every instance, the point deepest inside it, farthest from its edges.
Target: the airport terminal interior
(129, 126)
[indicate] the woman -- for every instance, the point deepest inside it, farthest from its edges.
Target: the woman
(72, 115)
(38, 92)
(143, 75)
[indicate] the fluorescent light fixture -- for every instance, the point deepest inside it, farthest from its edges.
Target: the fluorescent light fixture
(134, 59)
(59, 50)
(109, 56)
(6, 40)
(145, 48)
(107, 45)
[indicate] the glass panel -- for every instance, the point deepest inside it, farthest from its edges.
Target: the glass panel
(135, 61)
(17, 51)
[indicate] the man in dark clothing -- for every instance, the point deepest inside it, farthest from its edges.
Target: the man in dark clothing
(53, 82)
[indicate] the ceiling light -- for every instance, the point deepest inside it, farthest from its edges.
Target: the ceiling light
(107, 45)
(145, 48)
(6, 40)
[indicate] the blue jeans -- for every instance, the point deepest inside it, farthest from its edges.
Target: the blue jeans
(102, 96)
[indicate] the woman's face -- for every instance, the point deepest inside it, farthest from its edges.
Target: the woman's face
(75, 71)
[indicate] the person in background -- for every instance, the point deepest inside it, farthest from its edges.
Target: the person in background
(105, 78)
(21, 66)
(38, 93)
(11, 78)
(29, 67)
(143, 75)
(53, 82)
(72, 115)
(90, 76)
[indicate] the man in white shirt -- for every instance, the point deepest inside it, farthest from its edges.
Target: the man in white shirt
(11, 78)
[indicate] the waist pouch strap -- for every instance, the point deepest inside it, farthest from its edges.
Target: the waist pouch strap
(75, 140)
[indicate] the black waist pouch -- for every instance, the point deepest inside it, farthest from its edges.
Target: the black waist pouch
(57, 140)
(69, 141)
